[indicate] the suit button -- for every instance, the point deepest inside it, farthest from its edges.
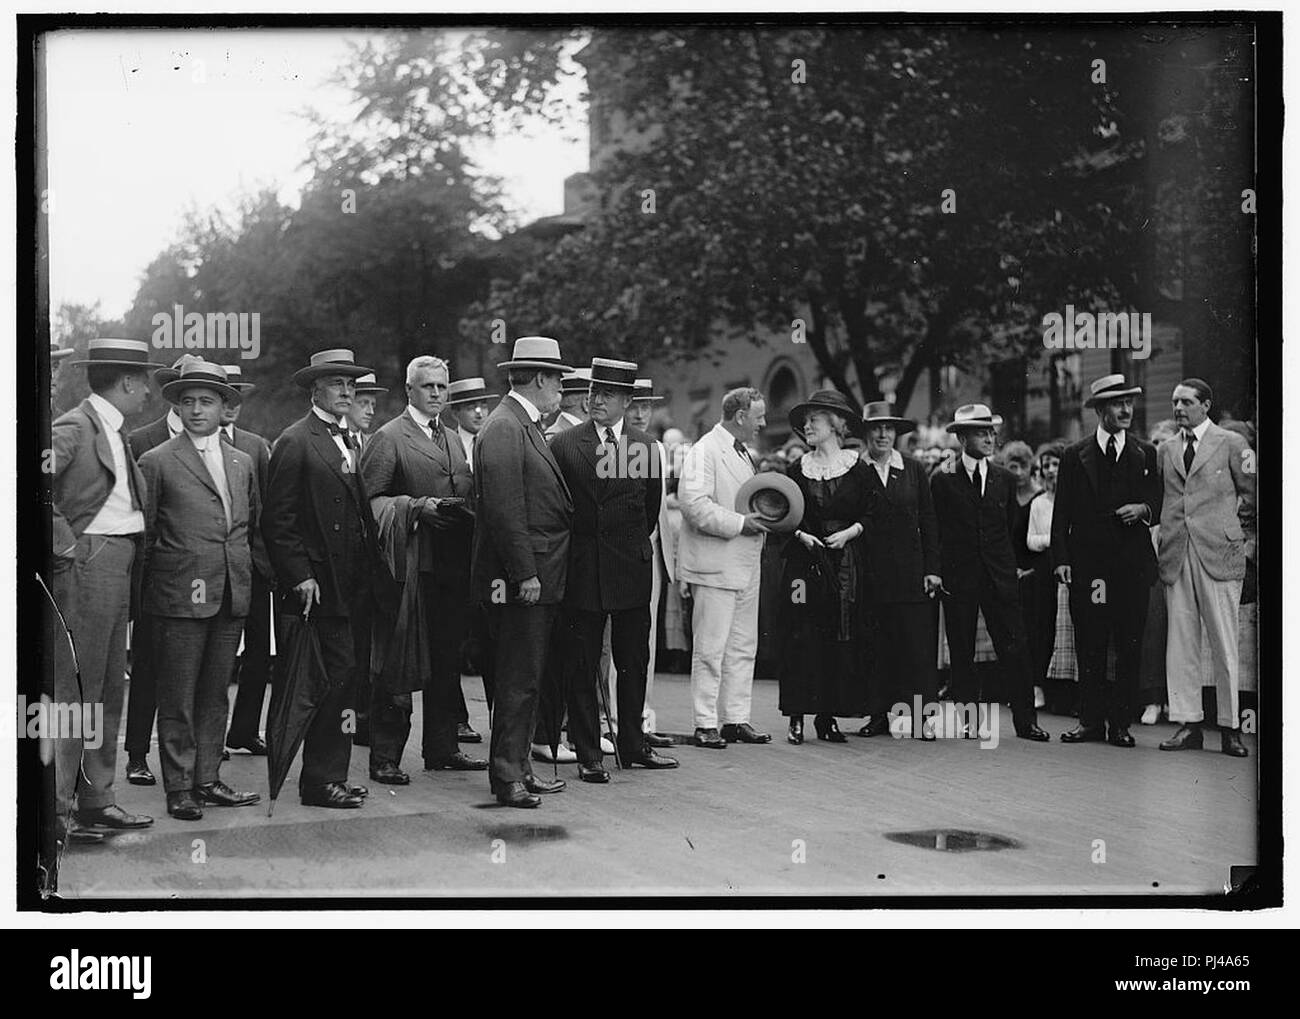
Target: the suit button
(336, 527)
(336, 499)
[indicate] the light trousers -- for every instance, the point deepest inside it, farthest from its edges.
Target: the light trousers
(725, 624)
(1193, 600)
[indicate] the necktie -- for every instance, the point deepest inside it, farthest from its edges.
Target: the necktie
(1189, 451)
(1111, 454)
(607, 441)
(740, 448)
(216, 466)
(136, 501)
(225, 436)
(435, 433)
(975, 480)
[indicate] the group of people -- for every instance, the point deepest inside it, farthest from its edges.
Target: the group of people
(536, 534)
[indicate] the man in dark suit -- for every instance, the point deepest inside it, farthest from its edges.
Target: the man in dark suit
(197, 578)
(521, 548)
(320, 538)
(413, 456)
(1108, 495)
(612, 472)
(362, 414)
(975, 506)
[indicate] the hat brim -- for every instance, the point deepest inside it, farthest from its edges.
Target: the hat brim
(59, 353)
(784, 486)
(371, 389)
(477, 398)
(243, 387)
(1092, 401)
(652, 399)
(304, 377)
(144, 366)
(994, 422)
(172, 391)
(546, 366)
(901, 425)
(800, 411)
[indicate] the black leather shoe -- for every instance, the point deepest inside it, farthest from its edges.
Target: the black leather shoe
(184, 806)
(649, 759)
(138, 773)
(456, 762)
(1230, 743)
(1034, 733)
(709, 738)
(218, 794)
(465, 734)
(335, 794)
(877, 726)
(795, 736)
(1085, 734)
(515, 795)
(113, 817)
(357, 790)
(593, 773)
(656, 740)
(255, 746)
(829, 730)
(389, 774)
(1121, 737)
(744, 733)
(1188, 737)
(543, 785)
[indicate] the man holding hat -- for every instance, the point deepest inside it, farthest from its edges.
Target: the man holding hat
(320, 538)
(521, 548)
(197, 575)
(975, 505)
(573, 402)
(1108, 495)
(98, 496)
(362, 412)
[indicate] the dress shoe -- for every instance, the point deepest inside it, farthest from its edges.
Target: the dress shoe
(184, 806)
(335, 794)
(649, 759)
(1230, 743)
(515, 795)
(709, 738)
(543, 785)
(1121, 737)
(829, 730)
(593, 773)
(877, 725)
(465, 734)
(1033, 732)
(138, 773)
(1085, 734)
(389, 774)
(744, 733)
(255, 746)
(656, 740)
(795, 736)
(1150, 714)
(562, 755)
(113, 816)
(1188, 737)
(356, 790)
(80, 836)
(456, 762)
(218, 794)
(225, 754)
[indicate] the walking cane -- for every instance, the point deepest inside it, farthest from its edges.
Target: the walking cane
(609, 724)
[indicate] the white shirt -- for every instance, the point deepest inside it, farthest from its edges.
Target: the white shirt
(895, 462)
(534, 415)
(616, 428)
(230, 432)
(1103, 437)
(116, 516)
(338, 439)
(1039, 538)
(174, 425)
(970, 465)
(1199, 431)
(467, 441)
(209, 450)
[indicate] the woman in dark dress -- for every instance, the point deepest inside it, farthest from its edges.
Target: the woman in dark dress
(824, 657)
(1018, 458)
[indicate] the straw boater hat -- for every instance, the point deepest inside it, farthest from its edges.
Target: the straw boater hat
(58, 353)
(166, 375)
(540, 352)
(369, 384)
(235, 377)
(617, 374)
(1110, 387)
(878, 413)
(577, 381)
(205, 374)
(329, 362)
(119, 353)
(775, 498)
(826, 400)
(974, 415)
(468, 391)
(645, 390)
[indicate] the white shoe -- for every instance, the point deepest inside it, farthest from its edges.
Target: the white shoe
(542, 752)
(1039, 700)
(606, 747)
(1151, 715)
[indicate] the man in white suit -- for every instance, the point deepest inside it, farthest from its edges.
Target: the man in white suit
(1207, 532)
(718, 555)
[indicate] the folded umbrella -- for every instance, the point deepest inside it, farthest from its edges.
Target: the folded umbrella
(295, 701)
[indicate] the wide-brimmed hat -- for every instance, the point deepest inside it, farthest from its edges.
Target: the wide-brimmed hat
(825, 400)
(1109, 387)
(878, 412)
(165, 375)
(775, 498)
(235, 377)
(974, 415)
(201, 373)
(577, 381)
(540, 352)
(120, 353)
(645, 390)
(58, 353)
(468, 391)
(369, 384)
(338, 361)
(606, 371)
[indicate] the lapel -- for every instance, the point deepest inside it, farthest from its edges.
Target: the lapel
(738, 467)
(323, 444)
(420, 442)
(1090, 456)
(1133, 460)
(102, 449)
(1211, 442)
(588, 441)
(189, 456)
(236, 484)
(536, 440)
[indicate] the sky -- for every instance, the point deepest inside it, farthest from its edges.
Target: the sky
(145, 124)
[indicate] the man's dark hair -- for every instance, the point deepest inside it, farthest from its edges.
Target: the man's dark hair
(1203, 391)
(103, 377)
(523, 376)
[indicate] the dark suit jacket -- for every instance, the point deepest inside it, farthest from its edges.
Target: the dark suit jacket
(186, 539)
(524, 508)
(611, 560)
(146, 437)
(1086, 535)
(83, 473)
(901, 540)
(975, 532)
(401, 459)
(259, 450)
(316, 520)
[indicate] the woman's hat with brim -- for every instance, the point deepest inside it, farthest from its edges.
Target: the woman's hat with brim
(645, 390)
(878, 413)
(831, 402)
(1110, 387)
(606, 371)
(973, 415)
(540, 352)
(330, 362)
(775, 498)
(118, 353)
(468, 391)
(369, 384)
(235, 378)
(203, 374)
